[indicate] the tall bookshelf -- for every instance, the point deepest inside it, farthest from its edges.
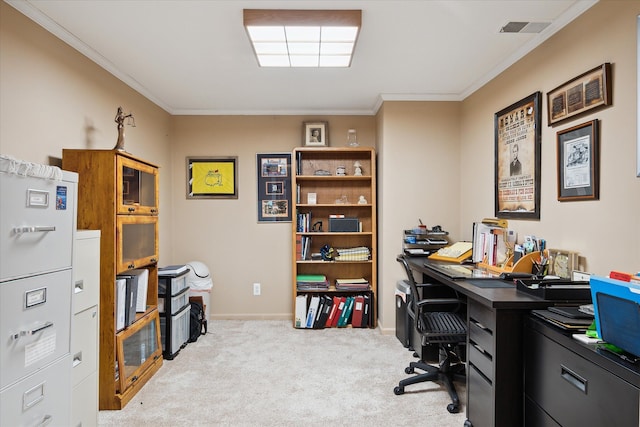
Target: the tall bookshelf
(316, 171)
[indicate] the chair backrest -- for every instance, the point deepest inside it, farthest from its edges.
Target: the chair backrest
(418, 306)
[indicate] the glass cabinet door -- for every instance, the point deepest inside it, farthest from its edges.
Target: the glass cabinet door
(138, 346)
(137, 242)
(138, 190)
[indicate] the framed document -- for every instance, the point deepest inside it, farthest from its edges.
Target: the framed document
(578, 161)
(583, 93)
(517, 159)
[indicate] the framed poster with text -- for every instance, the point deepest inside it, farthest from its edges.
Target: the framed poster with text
(517, 159)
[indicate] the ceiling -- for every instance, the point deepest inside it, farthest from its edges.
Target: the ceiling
(194, 57)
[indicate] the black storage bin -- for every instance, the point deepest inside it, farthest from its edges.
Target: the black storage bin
(404, 323)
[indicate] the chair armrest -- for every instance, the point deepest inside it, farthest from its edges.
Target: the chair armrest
(437, 301)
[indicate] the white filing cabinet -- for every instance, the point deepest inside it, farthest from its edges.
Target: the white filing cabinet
(85, 328)
(37, 225)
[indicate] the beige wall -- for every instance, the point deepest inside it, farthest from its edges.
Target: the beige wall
(606, 232)
(52, 97)
(226, 234)
(418, 179)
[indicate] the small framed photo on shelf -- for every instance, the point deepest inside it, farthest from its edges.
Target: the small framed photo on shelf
(315, 134)
(578, 162)
(562, 263)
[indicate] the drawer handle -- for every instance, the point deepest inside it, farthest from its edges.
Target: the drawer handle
(79, 286)
(34, 229)
(32, 331)
(574, 379)
(131, 209)
(46, 420)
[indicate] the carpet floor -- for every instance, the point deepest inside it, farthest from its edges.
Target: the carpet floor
(266, 373)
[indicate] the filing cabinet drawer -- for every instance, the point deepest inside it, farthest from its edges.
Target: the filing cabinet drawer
(482, 337)
(35, 323)
(480, 399)
(43, 398)
(37, 223)
(482, 315)
(86, 270)
(84, 345)
(482, 361)
(574, 390)
(84, 406)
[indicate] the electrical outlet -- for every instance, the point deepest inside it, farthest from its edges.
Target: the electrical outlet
(256, 289)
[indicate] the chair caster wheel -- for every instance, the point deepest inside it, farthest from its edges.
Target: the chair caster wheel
(398, 390)
(408, 370)
(467, 423)
(453, 408)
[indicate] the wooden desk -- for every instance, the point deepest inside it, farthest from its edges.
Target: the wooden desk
(495, 365)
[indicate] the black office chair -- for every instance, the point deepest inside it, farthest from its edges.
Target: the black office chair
(447, 329)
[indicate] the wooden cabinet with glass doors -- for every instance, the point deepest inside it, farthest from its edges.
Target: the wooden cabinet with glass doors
(118, 194)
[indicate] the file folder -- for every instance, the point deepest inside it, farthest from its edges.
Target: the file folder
(131, 296)
(333, 312)
(313, 308)
(336, 318)
(346, 313)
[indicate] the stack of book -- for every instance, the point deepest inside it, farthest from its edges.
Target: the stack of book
(360, 284)
(325, 311)
(303, 244)
(312, 282)
(360, 253)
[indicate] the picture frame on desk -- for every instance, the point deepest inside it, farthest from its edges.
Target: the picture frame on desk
(578, 162)
(315, 134)
(517, 159)
(562, 263)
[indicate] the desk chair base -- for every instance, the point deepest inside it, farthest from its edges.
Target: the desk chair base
(445, 374)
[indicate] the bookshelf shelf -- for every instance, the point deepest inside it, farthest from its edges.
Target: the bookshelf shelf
(336, 196)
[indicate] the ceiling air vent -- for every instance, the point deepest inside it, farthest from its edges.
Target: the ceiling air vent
(524, 27)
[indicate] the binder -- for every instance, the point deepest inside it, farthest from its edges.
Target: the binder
(121, 298)
(316, 320)
(131, 296)
(326, 310)
(341, 304)
(301, 311)
(313, 308)
(143, 283)
(358, 309)
(333, 312)
(366, 312)
(346, 313)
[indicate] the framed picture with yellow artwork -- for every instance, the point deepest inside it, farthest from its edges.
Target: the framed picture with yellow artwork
(212, 177)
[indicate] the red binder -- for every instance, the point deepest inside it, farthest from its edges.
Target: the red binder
(358, 309)
(332, 313)
(341, 303)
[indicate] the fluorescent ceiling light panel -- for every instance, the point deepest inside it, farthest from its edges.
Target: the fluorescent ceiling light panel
(310, 38)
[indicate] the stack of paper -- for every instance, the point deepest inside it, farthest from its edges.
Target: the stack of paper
(360, 253)
(352, 284)
(306, 282)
